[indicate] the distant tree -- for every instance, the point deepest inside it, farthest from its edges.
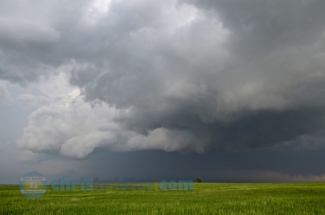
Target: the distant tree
(198, 180)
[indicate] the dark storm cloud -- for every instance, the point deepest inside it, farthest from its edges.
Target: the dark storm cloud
(186, 75)
(262, 95)
(260, 27)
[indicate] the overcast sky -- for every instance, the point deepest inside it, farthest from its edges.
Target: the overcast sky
(224, 90)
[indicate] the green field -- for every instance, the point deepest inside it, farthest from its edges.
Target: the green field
(272, 199)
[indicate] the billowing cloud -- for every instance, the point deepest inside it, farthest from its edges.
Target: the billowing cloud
(65, 124)
(173, 75)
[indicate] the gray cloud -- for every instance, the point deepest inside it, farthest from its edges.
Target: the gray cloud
(239, 76)
(260, 27)
(181, 76)
(31, 100)
(24, 48)
(5, 96)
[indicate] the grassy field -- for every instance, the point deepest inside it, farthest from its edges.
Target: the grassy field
(272, 199)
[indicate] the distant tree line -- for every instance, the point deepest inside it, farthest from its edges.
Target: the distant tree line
(198, 180)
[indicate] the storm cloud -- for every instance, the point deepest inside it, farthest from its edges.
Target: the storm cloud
(171, 75)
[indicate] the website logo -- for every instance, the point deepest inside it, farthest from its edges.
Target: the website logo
(33, 185)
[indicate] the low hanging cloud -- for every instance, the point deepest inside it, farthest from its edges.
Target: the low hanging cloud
(175, 75)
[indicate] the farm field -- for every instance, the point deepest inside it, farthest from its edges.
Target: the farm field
(206, 198)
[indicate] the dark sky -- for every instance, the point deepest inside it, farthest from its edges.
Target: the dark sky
(225, 90)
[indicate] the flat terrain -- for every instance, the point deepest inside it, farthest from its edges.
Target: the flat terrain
(272, 199)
